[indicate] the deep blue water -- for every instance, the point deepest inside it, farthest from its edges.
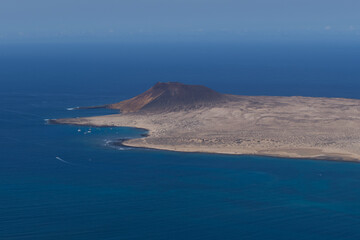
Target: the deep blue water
(104, 192)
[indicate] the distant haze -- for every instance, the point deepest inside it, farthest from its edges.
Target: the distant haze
(177, 20)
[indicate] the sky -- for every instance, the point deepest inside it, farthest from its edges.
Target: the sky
(176, 20)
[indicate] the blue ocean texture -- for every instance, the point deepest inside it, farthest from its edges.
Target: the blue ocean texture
(70, 182)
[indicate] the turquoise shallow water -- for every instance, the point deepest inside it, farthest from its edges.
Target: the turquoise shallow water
(57, 182)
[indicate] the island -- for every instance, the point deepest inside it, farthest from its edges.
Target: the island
(194, 118)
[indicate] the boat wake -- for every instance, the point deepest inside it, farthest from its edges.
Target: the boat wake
(62, 160)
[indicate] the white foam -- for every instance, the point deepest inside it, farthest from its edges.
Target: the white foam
(121, 148)
(62, 160)
(109, 143)
(73, 108)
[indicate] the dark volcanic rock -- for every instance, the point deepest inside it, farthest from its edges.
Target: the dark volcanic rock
(170, 96)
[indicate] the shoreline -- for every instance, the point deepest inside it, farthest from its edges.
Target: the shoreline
(123, 142)
(320, 158)
(286, 127)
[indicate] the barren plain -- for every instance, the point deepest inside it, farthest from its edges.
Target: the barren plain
(294, 127)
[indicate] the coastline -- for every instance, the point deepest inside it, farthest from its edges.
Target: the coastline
(287, 127)
(123, 143)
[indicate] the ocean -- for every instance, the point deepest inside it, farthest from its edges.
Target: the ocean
(69, 182)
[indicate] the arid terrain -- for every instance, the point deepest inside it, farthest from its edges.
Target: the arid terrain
(295, 127)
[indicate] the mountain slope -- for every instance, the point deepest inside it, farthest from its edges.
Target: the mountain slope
(169, 96)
